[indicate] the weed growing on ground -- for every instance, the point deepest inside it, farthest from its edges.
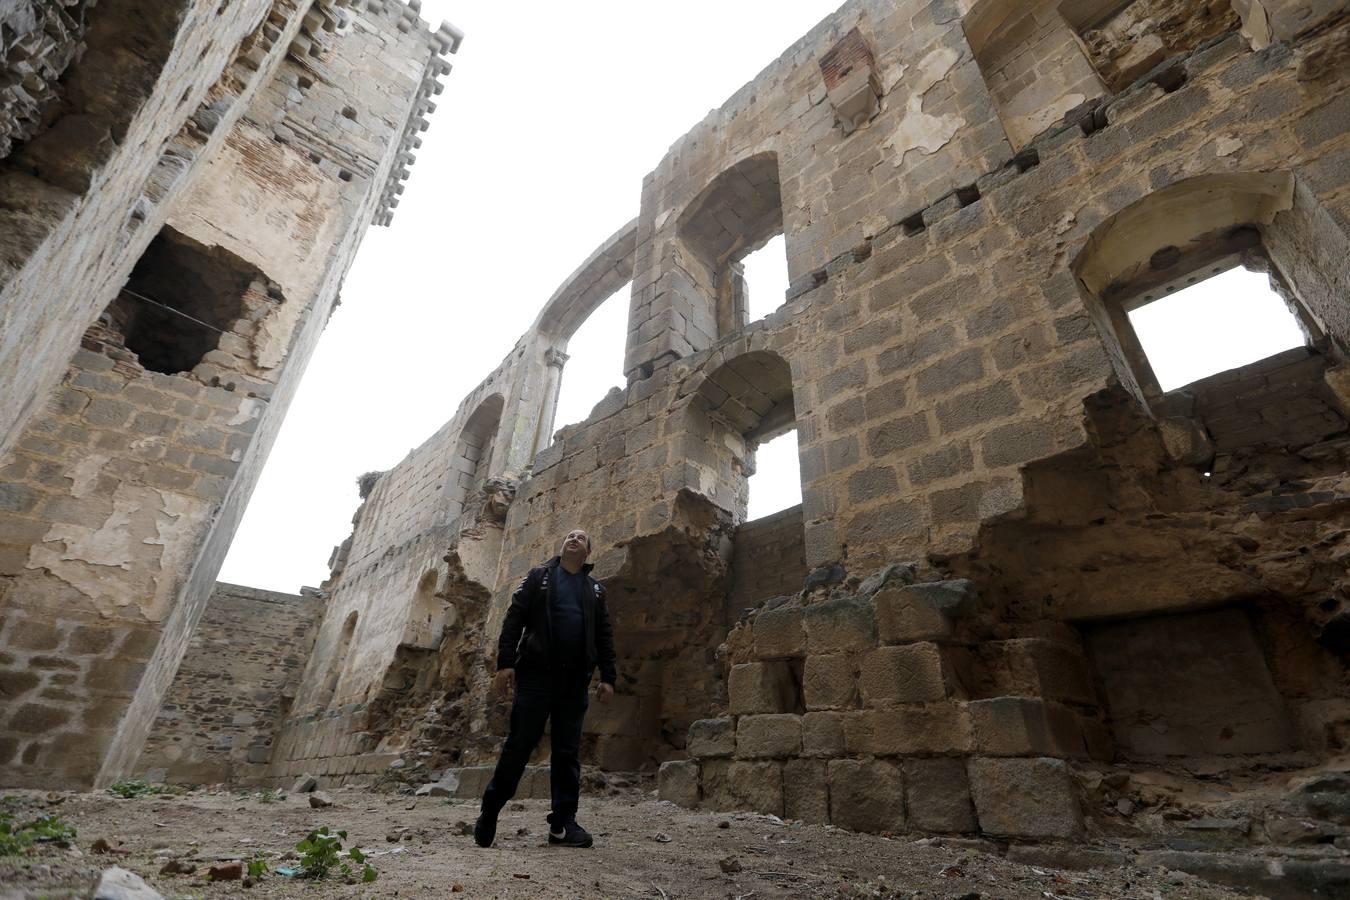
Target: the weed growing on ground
(45, 829)
(130, 788)
(321, 852)
(271, 795)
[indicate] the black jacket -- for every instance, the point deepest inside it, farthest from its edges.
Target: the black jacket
(528, 629)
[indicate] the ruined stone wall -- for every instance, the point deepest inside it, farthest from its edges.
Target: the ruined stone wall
(237, 681)
(85, 197)
(128, 485)
(991, 477)
(769, 561)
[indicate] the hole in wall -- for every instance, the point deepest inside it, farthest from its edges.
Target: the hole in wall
(181, 297)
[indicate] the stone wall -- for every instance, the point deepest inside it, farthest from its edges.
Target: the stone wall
(124, 487)
(990, 472)
(769, 561)
(237, 681)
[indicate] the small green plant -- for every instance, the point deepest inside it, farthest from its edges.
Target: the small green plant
(51, 829)
(321, 851)
(12, 838)
(45, 829)
(257, 867)
(130, 788)
(271, 795)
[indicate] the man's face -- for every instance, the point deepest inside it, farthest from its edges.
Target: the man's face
(577, 544)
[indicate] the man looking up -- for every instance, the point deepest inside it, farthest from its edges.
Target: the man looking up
(555, 634)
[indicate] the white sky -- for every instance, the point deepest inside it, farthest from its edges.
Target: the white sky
(552, 116)
(1219, 324)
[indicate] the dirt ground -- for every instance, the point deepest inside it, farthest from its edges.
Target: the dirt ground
(644, 848)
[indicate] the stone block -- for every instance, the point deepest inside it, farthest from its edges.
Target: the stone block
(712, 737)
(919, 612)
(755, 786)
(1050, 669)
(473, 781)
(936, 728)
(911, 673)
(830, 682)
(806, 795)
(867, 795)
(764, 687)
(678, 782)
(823, 734)
(840, 626)
(1023, 726)
(1033, 798)
(779, 633)
(768, 736)
(937, 795)
(618, 716)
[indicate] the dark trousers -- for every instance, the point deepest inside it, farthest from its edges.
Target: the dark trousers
(539, 698)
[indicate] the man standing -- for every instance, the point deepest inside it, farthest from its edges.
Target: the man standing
(555, 634)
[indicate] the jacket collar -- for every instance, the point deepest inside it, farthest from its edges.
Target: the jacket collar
(556, 562)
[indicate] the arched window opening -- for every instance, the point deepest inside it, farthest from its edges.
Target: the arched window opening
(741, 408)
(739, 213)
(1214, 321)
(765, 276)
(472, 462)
(593, 362)
(742, 445)
(1187, 250)
(339, 661)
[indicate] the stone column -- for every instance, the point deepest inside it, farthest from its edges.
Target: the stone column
(554, 359)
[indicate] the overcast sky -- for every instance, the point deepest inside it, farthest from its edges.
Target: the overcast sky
(552, 116)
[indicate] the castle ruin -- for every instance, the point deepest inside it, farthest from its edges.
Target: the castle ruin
(1028, 594)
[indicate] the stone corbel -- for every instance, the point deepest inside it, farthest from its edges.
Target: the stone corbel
(851, 81)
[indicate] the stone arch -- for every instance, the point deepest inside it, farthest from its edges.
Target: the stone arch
(474, 448)
(597, 279)
(738, 212)
(743, 402)
(1201, 226)
(607, 269)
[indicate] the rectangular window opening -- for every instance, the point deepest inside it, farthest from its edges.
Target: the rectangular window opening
(766, 278)
(776, 483)
(1214, 320)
